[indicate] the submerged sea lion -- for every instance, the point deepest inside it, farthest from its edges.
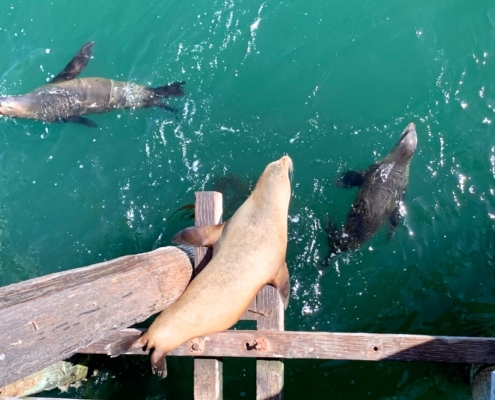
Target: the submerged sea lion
(248, 253)
(380, 196)
(65, 99)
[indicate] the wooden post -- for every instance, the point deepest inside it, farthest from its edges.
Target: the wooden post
(47, 319)
(483, 382)
(208, 382)
(270, 317)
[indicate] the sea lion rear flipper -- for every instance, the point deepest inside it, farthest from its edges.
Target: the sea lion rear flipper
(351, 179)
(282, 283)
(199, 236)
(173, 90)
(125, 344)
(76, 65)
(82, 121)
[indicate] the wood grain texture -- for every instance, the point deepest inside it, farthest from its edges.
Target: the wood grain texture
(48, 319)
(270, 317)
(208, 380)
(338, 346)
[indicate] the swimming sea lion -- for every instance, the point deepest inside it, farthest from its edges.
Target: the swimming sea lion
(65, 99)
(380, 197)
(248, 253)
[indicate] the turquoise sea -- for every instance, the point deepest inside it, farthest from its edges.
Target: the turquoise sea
(331, 83)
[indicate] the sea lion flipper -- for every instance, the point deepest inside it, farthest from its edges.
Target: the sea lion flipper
(351, 179)
(158, 363)
(199, 236)
(76, 65)
(82, 121)
(125, 344)
(282, 283)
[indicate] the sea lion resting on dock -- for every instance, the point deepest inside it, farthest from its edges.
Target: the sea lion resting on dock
(65, 99)
(248, 253)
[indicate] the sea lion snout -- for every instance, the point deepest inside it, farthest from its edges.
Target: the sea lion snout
(406, 146)
(7, 106)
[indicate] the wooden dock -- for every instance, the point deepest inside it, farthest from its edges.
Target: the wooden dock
(49, 319)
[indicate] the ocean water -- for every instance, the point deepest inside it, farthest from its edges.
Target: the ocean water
(330, 83)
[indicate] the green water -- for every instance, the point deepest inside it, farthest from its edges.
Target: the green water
(332, 84)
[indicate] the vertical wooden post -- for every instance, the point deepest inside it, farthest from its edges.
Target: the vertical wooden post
(208, 383)
(269, 373)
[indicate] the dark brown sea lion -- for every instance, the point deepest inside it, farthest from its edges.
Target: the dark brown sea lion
(248, 253)
(380, 197)
(65, 99)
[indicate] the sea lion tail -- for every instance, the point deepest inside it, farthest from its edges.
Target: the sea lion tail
(173, 90)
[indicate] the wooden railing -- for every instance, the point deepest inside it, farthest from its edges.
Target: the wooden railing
(50, 318)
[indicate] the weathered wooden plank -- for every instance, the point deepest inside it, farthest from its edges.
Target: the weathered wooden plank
(270, 317)
(208, 381)
(59, 374)
(208, 210)
(47, 319)
(483, 382)
(334, 346)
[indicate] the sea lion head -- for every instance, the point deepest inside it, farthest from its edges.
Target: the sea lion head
(14, 106)
(406, 146)
(274, 182)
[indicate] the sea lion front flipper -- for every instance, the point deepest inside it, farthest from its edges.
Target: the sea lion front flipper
(81, 121)
(199, 236)
(394, 217)
(76, 65)
(351, 179)
(282, 283)
(158, 363)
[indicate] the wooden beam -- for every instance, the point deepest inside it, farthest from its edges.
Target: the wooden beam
(47, 319)
(270, 317)
(332, 346)
(208, 380)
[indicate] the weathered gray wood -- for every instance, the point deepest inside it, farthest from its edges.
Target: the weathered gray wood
(208, 379)
(47, 319)
(334, 346)
(59, 374)
(483, 382)
(208, 382)
(270, 317)
(208, 210)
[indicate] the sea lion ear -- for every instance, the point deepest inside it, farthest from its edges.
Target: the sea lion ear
(76, 65)
(199, 236)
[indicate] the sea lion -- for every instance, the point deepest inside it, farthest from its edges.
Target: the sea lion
(380, 197)
(65, 99)
(248, 253)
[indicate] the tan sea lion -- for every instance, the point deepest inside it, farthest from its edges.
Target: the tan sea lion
(248, 253)
(65, 99)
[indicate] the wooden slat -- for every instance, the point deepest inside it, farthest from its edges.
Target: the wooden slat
(270, 317)
(208, 381)
(337, 346)
(47, 319)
